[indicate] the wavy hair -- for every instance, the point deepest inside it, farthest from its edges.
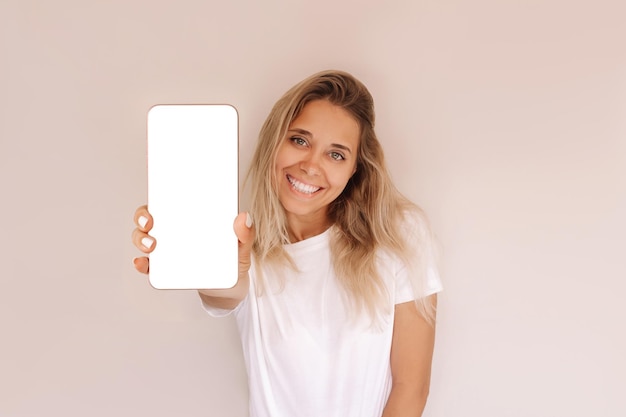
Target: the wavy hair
(370, 217)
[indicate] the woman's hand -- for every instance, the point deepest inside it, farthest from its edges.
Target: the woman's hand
(141, 239)
(230, 298)
(223, 298)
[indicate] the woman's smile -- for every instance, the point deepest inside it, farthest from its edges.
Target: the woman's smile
(302, 187)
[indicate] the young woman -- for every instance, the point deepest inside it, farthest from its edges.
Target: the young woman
(336, 296)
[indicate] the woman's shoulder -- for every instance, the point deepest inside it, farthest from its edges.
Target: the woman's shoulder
(414, 221)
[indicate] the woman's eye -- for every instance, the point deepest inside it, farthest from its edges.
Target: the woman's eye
(298, 140)
(337, 156)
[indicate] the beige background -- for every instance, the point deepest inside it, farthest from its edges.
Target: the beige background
(505, 120)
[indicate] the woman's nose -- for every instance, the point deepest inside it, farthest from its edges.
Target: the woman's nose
(310, 166)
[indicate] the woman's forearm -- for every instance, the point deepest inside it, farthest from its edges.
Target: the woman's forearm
(405, 401)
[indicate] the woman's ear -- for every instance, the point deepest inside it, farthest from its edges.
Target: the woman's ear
(356, 166)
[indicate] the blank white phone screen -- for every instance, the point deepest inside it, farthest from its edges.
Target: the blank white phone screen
(193, 183)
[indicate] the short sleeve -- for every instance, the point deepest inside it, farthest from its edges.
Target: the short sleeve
(220, 312)
(409, 287)
(404, 289)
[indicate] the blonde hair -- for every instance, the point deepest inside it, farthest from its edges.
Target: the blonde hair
(370, 216)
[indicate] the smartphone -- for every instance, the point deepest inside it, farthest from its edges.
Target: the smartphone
(193, 195)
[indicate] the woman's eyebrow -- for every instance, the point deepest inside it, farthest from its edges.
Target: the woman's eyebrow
(301, 131)
(342, 147)
(308, 134)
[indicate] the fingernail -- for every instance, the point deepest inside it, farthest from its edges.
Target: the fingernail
(143, 221)
(248, 220)
(147, 242)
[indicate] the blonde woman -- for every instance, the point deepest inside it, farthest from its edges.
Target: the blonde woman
(336, 294)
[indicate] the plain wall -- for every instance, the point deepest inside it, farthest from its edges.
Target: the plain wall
(505, 120)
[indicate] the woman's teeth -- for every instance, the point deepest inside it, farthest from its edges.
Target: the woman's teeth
(302, 187)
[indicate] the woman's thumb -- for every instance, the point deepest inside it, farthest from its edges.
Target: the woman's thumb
(244, 228)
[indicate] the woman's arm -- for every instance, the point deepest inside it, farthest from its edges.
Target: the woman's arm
(411, 357)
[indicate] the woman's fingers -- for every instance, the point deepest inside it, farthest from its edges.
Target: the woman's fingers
(143, 219)
(143, 241)
(142, 264)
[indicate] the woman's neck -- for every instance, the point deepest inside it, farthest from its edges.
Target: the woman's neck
(301, 228)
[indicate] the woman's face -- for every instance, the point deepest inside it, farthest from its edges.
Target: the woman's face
(315, 160)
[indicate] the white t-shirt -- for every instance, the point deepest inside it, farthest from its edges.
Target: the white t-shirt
(306, 356)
